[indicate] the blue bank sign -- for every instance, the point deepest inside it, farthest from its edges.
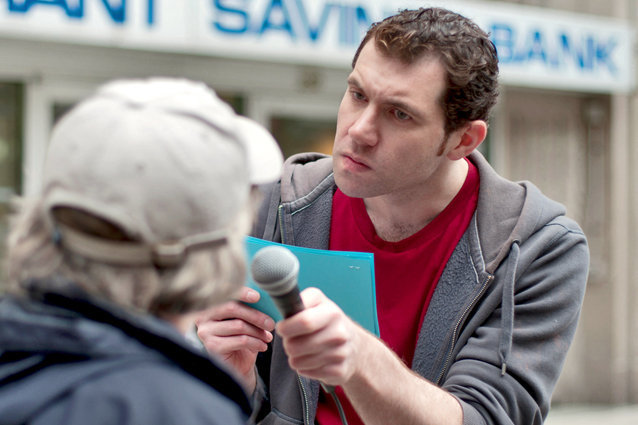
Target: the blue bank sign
(537, 47)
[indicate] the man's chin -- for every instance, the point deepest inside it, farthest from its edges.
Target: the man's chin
(350, 187)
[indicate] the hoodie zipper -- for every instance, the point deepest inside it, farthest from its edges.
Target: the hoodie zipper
(304, 394)
(458, 325)
(280, 218)
(305, 408)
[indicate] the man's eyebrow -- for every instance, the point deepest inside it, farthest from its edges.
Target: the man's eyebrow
(395, 102)
(399, 104)
(352, 81)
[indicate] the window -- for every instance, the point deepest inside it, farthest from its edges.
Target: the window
(303, 134)
(10, 152)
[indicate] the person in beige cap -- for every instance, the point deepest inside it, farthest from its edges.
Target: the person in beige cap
(148, 192)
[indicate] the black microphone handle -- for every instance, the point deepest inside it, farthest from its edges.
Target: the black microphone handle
(289, 303)
(275, 270)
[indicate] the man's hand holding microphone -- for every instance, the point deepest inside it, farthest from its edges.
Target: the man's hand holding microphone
(318, 337)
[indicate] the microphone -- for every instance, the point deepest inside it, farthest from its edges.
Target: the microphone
(275, 270)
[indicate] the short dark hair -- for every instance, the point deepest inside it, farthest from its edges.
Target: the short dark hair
(465, 50)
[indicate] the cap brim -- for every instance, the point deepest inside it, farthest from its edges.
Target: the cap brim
(264, 155)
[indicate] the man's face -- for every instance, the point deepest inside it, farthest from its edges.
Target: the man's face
(390, 136)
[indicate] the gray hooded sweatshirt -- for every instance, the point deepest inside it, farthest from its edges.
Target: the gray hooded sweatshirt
(503, 314)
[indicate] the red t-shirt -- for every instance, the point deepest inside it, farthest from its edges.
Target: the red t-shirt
(406, 272)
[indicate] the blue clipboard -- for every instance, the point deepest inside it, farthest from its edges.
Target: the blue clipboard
(347, 278)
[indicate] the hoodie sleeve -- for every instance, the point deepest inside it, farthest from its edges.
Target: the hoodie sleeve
(507, 369)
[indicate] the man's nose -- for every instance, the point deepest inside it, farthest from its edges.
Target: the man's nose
(364, 130)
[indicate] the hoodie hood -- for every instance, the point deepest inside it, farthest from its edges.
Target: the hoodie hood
(316, 169)
(523, 211)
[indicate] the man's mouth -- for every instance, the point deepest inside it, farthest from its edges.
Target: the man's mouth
(354, 161)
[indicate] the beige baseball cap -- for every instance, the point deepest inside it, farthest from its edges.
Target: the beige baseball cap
(164, 159)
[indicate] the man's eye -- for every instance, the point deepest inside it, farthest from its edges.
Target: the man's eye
(400, 115)
(358, 96)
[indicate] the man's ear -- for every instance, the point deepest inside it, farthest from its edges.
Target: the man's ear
(469, 137)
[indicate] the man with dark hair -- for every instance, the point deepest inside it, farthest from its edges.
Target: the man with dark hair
(480, 280)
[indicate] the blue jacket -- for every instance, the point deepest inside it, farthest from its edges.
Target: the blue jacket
(75, 361)
(503, 314)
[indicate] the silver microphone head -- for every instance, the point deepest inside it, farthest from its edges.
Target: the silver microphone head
(275, 269)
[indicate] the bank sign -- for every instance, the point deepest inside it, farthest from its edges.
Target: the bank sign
(536, 47)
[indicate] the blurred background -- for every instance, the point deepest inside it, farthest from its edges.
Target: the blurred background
(567, 118)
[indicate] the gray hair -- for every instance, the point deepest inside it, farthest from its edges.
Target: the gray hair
(206, 277)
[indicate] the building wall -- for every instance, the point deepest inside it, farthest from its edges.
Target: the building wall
(579, 148)
(559, 141)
